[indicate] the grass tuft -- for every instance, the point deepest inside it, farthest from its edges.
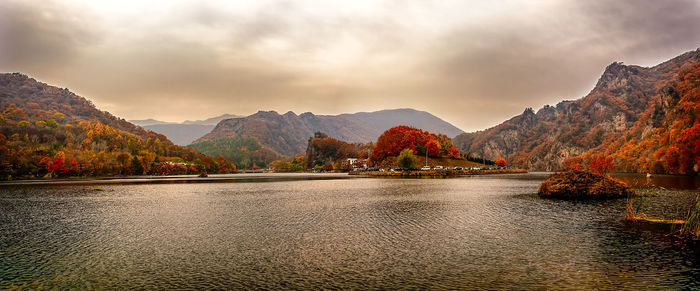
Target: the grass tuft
(691, 227)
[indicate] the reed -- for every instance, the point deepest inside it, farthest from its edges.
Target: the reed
(691, 227)
(635, 208)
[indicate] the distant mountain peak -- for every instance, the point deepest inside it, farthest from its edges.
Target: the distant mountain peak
(186, 132)
(213, 120)
(307, 115)
(287, 134)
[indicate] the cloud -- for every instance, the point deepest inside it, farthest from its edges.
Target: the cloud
(547, 55)
(40, 37)
(473, 63)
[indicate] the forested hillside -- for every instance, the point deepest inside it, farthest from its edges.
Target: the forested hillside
(49, 130)
(245, 152)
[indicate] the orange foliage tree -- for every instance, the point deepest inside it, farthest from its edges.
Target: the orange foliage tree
(454, 153)
(573, 163)
(600, 165)
(501, 162)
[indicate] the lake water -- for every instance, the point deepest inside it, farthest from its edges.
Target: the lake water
(335, 231)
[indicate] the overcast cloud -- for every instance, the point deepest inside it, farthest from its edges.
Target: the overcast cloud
(473, 64)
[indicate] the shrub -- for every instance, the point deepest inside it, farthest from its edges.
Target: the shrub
(407, 159)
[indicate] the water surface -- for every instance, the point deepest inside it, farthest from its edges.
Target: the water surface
(333, 232)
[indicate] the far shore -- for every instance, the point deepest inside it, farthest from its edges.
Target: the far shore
(173, 179)
(437, 173)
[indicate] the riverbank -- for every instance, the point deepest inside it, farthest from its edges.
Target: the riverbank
(175, 179)
(437, 173)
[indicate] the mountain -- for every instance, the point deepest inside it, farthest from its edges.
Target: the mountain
(645, 119)
(150, 121)
(287, 134)
(213, 120)
(49, 130)
(385, 119)
(183, 133)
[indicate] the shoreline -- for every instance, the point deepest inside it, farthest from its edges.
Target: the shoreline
(437, 173)
(173, 179)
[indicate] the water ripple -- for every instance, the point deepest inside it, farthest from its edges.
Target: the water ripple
(465, 233)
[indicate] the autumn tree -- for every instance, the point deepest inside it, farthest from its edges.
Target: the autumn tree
(501, 162)
(407, 159)
(573, 163)
(600, 165)
(454, 153)
(433, 148)
(396, 139)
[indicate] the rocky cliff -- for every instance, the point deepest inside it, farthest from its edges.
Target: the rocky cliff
(633, 113)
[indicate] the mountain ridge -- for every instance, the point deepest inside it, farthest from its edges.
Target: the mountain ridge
(628, 105)
(287, 133)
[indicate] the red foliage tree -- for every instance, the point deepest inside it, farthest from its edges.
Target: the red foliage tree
(501, 162)
(600, 165)
(454, 153)
(396, 139)
(433, 147)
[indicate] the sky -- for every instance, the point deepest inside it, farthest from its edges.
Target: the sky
(471, 63)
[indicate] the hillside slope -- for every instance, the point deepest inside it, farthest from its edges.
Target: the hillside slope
(288, 134)
(634, 114)
(45, 129)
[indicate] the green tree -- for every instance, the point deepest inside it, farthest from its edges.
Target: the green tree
(136, 166)
(407, 159)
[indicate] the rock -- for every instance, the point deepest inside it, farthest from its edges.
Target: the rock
(583, 185)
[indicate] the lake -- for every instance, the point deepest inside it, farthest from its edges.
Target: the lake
(334, 231)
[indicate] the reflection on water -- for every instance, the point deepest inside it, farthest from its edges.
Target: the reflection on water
(470, 232)
(665, 181)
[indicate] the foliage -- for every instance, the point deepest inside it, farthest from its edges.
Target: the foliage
(53, 131)
(396, 139)
(643, 119)
(454, 153)
(501, 162)
(243, 151)
(407, 159)
(295, 164)
(574, 163)
(322, 150)
(479, 160)
(600, 165)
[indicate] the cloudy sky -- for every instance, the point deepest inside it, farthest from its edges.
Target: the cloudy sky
(472, 63)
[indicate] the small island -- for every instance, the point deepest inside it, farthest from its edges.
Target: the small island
(576, 184)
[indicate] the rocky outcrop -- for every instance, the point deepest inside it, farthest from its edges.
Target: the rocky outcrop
(629, 103)
(582, 185)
